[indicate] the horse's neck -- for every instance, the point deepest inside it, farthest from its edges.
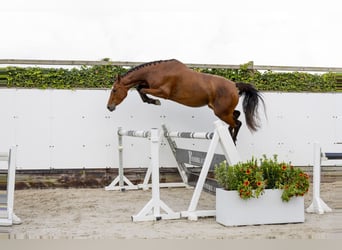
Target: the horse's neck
(134, 78)
(127, 82)
(144, 73)
(130, 81)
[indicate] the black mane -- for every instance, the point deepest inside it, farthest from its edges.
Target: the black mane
(145, 65)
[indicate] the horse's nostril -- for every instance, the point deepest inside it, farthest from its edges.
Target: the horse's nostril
(111, 108)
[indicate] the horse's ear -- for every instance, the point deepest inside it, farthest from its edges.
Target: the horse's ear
(118, 78)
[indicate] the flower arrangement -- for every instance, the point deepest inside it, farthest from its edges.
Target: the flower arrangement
(251, 179)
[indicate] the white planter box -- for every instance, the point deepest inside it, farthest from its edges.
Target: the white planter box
(231, 210)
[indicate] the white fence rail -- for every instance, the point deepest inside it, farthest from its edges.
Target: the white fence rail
(194, 65)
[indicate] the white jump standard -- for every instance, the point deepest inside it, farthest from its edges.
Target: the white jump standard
(318, 205)
(121, 179)
(152, 210)
(121, 182)
(7, 215)
(220, 136)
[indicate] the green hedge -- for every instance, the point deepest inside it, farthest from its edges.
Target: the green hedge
(279, 81)
(83, 77)
(102, 76)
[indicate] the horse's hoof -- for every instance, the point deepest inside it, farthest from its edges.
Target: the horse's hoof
(157, 102)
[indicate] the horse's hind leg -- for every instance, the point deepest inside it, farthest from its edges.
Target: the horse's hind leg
(234, 131)
(234, 124)
(236, 115)
(145, 98)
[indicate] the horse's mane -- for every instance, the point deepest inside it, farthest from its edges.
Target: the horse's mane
(145, 65)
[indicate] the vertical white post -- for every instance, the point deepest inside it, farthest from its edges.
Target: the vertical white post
(121, 179)
(120, 149)
(11, 181)
(318, 205)
(152, 210)
(317, 171)
(11, 217)
(155, 171)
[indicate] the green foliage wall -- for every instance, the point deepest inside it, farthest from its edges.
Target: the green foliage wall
(102, 76)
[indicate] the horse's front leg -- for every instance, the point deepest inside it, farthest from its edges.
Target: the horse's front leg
(145, 98)
(156, 92)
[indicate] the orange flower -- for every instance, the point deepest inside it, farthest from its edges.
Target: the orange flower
(283, 167)
(246, 183)
(248, 171)
(259, 183)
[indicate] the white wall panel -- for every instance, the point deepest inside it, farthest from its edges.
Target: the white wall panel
(82, 134)
(68, 133)
(32, 128)
(7, 118)
(73, 128)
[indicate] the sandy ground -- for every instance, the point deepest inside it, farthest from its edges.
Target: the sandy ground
(100, 214)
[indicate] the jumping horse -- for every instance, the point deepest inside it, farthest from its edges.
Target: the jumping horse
(173, 80)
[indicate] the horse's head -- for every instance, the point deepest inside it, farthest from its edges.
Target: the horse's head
(117, 95)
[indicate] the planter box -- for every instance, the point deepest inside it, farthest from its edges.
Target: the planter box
(231, 210)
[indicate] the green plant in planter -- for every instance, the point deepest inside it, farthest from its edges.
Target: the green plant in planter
(246, 178)
(251, 179)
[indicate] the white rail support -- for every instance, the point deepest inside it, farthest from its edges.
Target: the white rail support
(317, 206)
(7, 215)
(220, 136)
(121, 182)
(152, 210)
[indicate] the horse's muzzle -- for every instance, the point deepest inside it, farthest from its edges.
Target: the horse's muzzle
(111, 107)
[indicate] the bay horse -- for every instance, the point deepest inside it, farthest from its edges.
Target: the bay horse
(173, 80)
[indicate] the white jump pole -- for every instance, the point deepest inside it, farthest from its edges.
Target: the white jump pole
(317, 206)
(152, 210)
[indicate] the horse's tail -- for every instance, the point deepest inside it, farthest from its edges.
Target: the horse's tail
(250, 104)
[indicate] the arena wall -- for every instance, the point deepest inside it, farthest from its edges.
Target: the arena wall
(56, 129)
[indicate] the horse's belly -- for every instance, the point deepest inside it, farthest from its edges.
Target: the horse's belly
(192, 101)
